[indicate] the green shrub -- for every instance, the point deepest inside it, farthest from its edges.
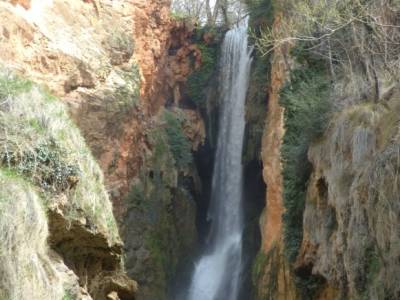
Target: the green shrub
(309, 285)
(178, 143)
(179, 16)
(68, 296)
(121, 41)
(11, 86)
(259, 266)
(44, 165)
(373, 265)
(265, 273)
(261, 14)
(199, 81)
(307, 111)
(136, 196)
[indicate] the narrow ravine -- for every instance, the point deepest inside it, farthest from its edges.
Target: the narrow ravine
(217, 273)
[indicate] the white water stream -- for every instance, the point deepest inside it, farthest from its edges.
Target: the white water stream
(217, 273)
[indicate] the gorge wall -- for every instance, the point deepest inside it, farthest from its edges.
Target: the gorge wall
(329, 148)
(109, 113)
(119, 67)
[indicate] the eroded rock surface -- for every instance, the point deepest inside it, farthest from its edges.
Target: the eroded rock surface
(351, 225)
(274, 280)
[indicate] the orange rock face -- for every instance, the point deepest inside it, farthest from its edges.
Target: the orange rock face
(271, 153)
(275, 281)
(155, 34)
(24, 3)
(115, 64)
(84, 54)
(152, 27)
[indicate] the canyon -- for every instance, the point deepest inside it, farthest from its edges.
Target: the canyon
(149, 156)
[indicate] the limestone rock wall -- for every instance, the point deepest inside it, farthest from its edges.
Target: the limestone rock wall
(350, 226)
(59, 235)
(273, 274)
(350, 231)
(117, 65)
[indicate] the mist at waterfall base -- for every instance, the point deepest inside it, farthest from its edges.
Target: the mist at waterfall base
(217, 273)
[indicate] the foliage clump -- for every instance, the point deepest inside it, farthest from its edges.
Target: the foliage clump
(11, 87)
(45, 166)
(261, 13)
(179, 144)
(200, 80)
(307, 110)
(155, 198)
(265, 273)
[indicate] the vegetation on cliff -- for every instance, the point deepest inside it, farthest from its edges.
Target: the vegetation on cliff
(44, 166)
(179, 144)
(358, 40)
(40, 143)
(307, 112)
(343, 54)
(27, 271)
(203, 79)
(160, 208)
(260, 16)
(348, 194)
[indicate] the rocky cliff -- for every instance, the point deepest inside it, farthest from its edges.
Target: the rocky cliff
(350, 226)
(121, 90)
(120, 68)
(273, 279)
(60, 238)
(329, 229)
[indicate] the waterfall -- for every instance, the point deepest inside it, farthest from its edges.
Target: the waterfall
(217, 273)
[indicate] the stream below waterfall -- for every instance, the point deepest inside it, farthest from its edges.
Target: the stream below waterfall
(217, 273)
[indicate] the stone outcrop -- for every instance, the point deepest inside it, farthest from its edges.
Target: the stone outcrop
(56, 216)
(116, 64)
(90, 255)
(350, 226)
(271, 155)
(162, 50)
(349, 238)
(274, 280)
(24, 3)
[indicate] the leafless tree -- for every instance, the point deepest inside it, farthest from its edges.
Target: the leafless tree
(355, 37)
(210, 12)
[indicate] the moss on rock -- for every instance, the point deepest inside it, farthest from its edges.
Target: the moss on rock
(159, 223)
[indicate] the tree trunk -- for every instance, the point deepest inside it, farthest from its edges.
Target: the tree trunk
(208, 12)
(215, 12)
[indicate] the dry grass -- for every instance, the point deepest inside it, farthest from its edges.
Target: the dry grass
(42, 156)
(39, 142)
(26, 271)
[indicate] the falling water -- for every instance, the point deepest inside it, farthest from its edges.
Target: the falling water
(216, 275)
